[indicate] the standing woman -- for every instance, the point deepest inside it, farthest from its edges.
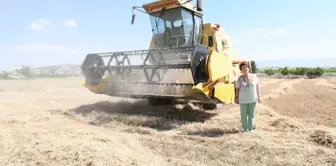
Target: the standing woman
(247, 96)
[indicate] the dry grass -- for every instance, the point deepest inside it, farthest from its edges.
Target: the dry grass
(58, 122)
(324, 138)
(314, 101)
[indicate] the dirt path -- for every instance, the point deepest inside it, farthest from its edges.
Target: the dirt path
(331, 80)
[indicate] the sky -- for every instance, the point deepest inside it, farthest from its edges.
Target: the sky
(53, 32)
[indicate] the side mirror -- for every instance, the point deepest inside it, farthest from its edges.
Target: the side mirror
(133, 13)
(133, 18)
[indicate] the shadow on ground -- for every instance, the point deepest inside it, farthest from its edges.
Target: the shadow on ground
(140, 113)
(213, 132)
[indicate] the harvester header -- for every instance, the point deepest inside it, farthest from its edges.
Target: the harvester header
(187, 60)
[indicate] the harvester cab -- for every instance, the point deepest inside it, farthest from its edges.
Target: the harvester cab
(187, 61)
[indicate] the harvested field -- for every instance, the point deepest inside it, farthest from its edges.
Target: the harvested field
(59, 122)
(313, 101)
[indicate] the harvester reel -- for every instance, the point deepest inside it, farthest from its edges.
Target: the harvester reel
(153, 74)
(93, 68)
(122, 70)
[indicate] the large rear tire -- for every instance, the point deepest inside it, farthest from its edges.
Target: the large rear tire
(159, 101)
(212, 106)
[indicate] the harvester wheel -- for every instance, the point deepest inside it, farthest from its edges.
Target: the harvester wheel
(210, 106)
(159, 101)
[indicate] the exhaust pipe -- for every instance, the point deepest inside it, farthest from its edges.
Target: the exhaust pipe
(199, 5)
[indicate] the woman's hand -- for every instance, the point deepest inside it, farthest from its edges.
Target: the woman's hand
(236, 100)
(259, 100)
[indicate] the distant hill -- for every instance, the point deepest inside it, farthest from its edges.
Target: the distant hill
(65, 67)
(46, 71)
(68, 69)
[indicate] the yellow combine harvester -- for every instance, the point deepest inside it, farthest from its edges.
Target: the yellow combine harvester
(187, 61)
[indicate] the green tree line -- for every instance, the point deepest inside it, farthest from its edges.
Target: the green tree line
(300, 71)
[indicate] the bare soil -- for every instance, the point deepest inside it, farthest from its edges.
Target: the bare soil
(59, 122)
